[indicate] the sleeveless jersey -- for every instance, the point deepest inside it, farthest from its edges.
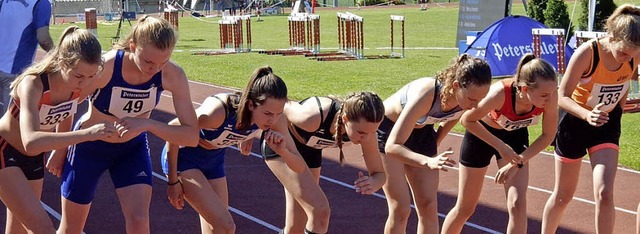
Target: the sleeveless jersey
(322, 137)
(435, 114)
(121, 99)
(507, 117)
(227, 134)
(601, 85)
(49, 114)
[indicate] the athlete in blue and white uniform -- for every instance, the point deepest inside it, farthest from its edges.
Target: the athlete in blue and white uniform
(225, 120)
(204, 164)
(125, 94)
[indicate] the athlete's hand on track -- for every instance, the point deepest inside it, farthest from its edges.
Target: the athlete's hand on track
(176, 195)
(439, 162)
(598, 117)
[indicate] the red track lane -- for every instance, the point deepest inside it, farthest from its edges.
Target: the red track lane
(255, 192)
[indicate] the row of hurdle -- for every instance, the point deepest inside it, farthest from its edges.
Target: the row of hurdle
(304, 37)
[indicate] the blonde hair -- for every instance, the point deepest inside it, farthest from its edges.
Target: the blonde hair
(150, 31)
(362, 105)
(75, 45)
(531, 69)
(262, 85)
(624, 25)
(466, 70)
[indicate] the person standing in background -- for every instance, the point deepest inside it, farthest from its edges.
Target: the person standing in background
(24, 24)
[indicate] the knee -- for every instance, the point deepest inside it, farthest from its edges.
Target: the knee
(226, 227)
(137, 220)
(400, 212)
(426, 207)
(43, 227)
(604, 196)
(464, 211)
(562, 199)
(517, 205)
(321, 212)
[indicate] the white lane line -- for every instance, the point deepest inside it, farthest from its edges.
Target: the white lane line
(53, 212)
(234, 210)
(346, 185)
(473, 225)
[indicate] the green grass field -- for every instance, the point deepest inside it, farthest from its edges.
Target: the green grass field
(434, 29)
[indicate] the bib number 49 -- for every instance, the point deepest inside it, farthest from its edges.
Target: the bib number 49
(134, 106)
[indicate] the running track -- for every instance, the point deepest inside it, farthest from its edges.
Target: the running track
(257, 201)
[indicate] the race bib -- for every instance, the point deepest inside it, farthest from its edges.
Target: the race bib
(607, 94)
(50, 116)
(433, 120)
(127, 102)
(320, 143)
(510, 125)
(228, 138)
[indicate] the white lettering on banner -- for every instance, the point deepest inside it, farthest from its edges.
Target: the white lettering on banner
(518, 50)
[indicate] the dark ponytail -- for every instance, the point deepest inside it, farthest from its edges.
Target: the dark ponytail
(262, 85)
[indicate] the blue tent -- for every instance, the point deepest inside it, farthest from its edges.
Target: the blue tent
(504, 42)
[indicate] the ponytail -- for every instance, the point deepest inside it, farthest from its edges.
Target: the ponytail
(466, 70)
(263, 84)
(75, 44)
(531, 69)
(366, 106)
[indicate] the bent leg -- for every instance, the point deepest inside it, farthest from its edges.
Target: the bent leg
(604, 164)
(516, 193)
(565, 186)
(135, 201)
(398, 196)
(296, 219)
(22, 199)
(202, 196)
(424, 185)
(306, 191)
(469, 188)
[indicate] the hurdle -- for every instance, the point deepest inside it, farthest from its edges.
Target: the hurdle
(401, 20)
(393, 53)
(350, 39)
(232, 35)
(304, 35)
(91, 20)
(559, 34)
(304, 32)
(584, 36)
(171, 15)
